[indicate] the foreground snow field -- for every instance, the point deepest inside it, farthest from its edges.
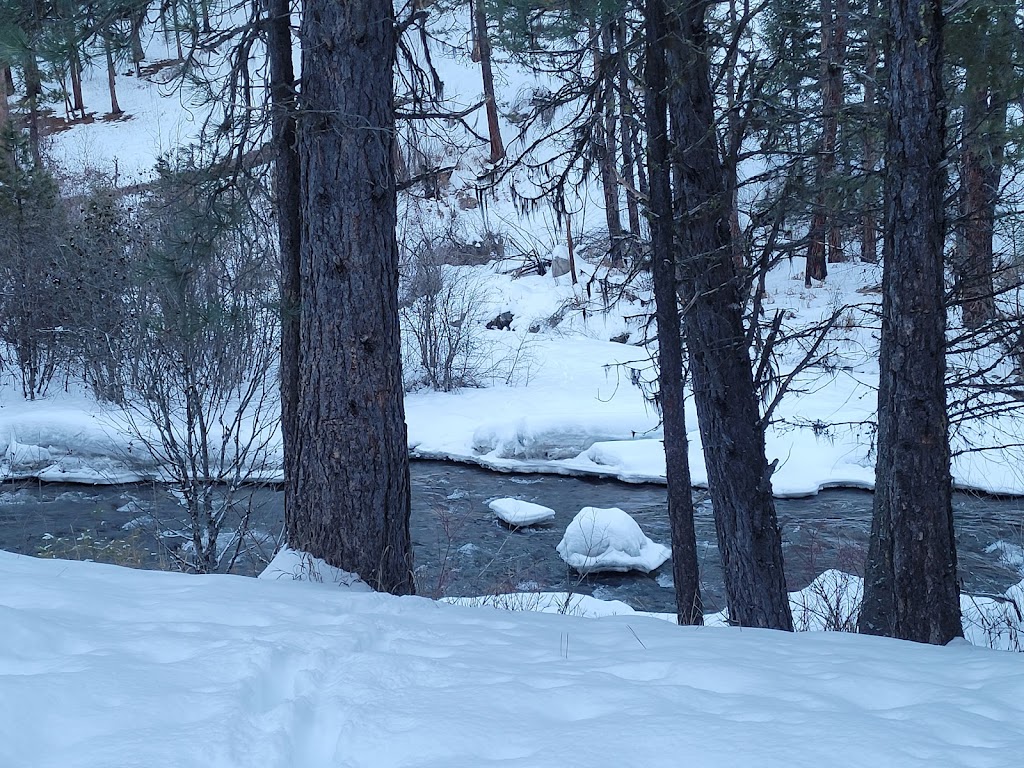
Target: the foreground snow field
(107, 667)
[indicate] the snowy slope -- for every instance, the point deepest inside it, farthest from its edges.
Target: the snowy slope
(103, 666)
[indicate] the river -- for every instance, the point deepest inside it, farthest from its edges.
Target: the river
(461, 549)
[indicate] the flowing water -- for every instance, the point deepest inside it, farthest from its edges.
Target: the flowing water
(461, 549)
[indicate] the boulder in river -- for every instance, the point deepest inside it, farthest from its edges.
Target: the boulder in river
(518, 513)
(609, 540)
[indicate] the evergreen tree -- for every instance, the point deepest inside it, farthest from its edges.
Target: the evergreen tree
(352, 487)
(911, 590)
(732, 432)
(986, 46)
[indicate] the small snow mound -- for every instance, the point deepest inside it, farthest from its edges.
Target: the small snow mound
(142, 521)
(609, 540)
(302, 566)
(1010, 555)
(133, 507)
(518, 513)
(25, 455)
(830, 603)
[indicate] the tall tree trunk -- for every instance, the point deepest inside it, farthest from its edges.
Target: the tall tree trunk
(177, 31)
(836, 68)
(484, 46)
(135, 25)
(983, 148)
(626, 131)
(868, 218)
(823, 239)
(33, 83)
(5, 109)
(6, 151)
(685, 568)
(981, 165)
(352, 505)
(75, 71)
(286, 199)
(910, 584)
(108, 50)
(734, 142)
(604, 138)
(739, 476)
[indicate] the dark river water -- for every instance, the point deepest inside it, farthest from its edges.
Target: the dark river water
(461, 549)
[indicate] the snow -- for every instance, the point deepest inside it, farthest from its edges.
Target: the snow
(103, 666)
(1011, 555)
(609, 540)
(301, 566)
(577, 411)
(519, 513)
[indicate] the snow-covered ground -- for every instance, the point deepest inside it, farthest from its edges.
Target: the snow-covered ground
(104, 666)
(572, 407)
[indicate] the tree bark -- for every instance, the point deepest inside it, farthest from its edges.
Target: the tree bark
(286, 199)
(352, 505)
(484, 46)
(910, 586)
(685, 568)
(727, 410)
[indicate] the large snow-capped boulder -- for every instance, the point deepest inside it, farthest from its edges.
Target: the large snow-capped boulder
(609, 540)
(519, 514)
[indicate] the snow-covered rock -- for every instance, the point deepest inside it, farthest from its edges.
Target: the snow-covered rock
(609, 540)
(518, 513)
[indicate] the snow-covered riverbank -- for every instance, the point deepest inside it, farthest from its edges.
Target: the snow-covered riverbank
(569, 405)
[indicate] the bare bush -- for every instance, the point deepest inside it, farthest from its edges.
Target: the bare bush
(442, 332)
(995, 621)
(830, 603)
(200, 388)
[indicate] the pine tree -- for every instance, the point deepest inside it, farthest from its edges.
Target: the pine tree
(352, 486)
(732, 432)
(987, 46)
(911, 589)
(685, 568)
